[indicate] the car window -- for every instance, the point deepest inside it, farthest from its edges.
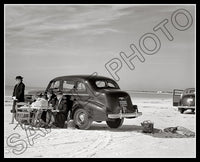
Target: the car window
(55, 84)
(178, 92)
(68, 85)
(81, 86)
(187, 91)
(106, 84)
(111, 85)
(192, 91)
(100, 84)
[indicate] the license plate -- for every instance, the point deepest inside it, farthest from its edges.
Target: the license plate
(123, 104)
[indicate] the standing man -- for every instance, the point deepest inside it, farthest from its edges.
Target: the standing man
(18, 95)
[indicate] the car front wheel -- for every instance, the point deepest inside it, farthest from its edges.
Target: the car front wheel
(82, 119)
(115, 123)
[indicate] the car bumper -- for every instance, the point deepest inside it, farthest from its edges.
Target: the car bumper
(186, 107)
(124, 115)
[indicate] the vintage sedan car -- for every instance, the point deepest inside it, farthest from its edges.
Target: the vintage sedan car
(93, 98)
(184, 99)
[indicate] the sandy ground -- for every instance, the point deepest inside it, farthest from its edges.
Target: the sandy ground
(102, 142)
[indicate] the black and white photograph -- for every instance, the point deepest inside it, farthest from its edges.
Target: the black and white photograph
(99, 80)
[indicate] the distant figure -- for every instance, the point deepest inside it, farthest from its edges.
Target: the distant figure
(18, 95)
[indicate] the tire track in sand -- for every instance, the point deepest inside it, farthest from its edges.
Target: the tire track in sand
(104, 138)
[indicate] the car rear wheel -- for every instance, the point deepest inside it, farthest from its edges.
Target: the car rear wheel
(82, 119)
(115, 123)
(181, 111)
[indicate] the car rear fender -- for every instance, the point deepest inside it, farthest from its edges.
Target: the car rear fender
(95, 110)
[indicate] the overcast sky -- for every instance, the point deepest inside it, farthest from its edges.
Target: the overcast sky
(46, 41)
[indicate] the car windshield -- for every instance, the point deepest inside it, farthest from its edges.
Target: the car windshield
(105, 84)
(192, 91)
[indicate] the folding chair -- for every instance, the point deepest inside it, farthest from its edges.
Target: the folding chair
(23, 114)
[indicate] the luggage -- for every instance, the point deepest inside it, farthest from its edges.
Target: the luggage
(147, 126)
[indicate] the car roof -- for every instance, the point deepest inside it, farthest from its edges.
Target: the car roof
(81, 77)
(190, 89)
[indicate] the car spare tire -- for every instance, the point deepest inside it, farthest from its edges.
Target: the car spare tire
(115, 123)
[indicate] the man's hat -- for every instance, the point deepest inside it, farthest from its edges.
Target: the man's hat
(19, 77)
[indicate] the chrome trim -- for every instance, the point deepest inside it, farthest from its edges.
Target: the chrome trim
(187, 107)
(124, 115)
(75, 94)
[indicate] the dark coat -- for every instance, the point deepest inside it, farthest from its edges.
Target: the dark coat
(62, 106)
(61, 116)
(52, 100)
(19, 92)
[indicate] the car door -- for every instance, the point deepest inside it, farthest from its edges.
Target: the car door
(81, 91)
(68, 91)
(176, 96)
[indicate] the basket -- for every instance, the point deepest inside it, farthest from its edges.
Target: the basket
(147, 126)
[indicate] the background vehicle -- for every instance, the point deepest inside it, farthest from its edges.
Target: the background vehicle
(184, 99)
(94, 98)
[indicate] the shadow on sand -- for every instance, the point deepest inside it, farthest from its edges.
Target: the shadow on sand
(158, 133)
